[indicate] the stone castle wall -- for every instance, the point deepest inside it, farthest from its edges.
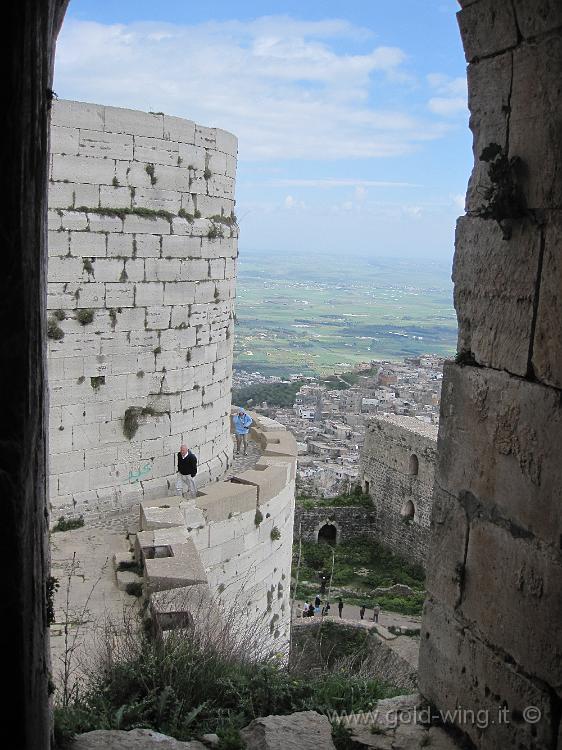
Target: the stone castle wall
(491, 637)
(350, 522)
(397, 471)
(228, 552)
(142, 265)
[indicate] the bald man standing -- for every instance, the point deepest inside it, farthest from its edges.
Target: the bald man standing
(187, 469)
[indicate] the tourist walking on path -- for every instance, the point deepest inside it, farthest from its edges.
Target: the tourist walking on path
(340, 605)
(242, 422)
(317, 603)
(376, 613)
(187, 470)
(362, 611)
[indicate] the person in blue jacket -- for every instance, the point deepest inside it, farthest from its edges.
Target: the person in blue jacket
(242, 422)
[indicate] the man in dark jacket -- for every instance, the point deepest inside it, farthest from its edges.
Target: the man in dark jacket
(187, 469)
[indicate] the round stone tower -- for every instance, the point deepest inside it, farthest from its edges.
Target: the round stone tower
(141, 286)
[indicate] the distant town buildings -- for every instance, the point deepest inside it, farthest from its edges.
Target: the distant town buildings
(330, 423)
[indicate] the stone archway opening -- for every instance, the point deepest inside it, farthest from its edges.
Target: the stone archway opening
(408, 511)
(413, 465)
(328, 534)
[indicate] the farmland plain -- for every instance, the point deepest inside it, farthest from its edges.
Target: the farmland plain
(317, 313)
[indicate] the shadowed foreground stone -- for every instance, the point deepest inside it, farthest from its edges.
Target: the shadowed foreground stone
(398, 723)
(136, 739)
(305, 730)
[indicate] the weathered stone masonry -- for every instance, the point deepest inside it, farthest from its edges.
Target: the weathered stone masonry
(397, 471)
(228, 551)
(349, 522)
(142, 264)
(491, 633)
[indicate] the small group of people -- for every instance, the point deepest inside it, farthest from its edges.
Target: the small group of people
(311, 609)
(187, 460)
(376, 612)
(316, 608)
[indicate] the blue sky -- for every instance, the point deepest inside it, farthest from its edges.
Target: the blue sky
(351, 117)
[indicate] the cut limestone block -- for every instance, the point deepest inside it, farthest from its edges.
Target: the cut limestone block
(306, 730)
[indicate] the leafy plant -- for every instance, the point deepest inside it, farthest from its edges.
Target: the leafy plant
(54, 331)
(88, 266)
(183, 214)
(134, 589)
(85, 316)
(465, 358)
(67, 524)
(121, 213)
(258, 518)
(132, 566)
(190, 684)
(214, 232)
(52, 587)
(150, 171)
(275, 534)
(59, 315)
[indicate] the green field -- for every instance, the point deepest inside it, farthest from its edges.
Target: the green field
(318, 313)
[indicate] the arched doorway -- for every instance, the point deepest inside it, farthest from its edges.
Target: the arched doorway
(413, 465)
(408, 511)
(328, 534)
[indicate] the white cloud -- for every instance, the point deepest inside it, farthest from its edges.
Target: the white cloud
(338, 182)
(290, 202)
(447, 107)
(451, 96)
(280, 84)
(360, 194)
(459, 201)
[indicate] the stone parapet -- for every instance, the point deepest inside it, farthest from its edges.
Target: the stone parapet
(227, 551)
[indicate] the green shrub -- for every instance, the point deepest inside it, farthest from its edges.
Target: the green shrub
(275, 534)
(134, 589)
(85, 316)
(377, 566)
(131, 565)
(150, 171)
(258, 518)
(52, 588)
(184, 689)
(120, 213)
(54, 331)
(355, 499)
(67, 524)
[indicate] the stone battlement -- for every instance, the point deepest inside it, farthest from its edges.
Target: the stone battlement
(228, 551)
